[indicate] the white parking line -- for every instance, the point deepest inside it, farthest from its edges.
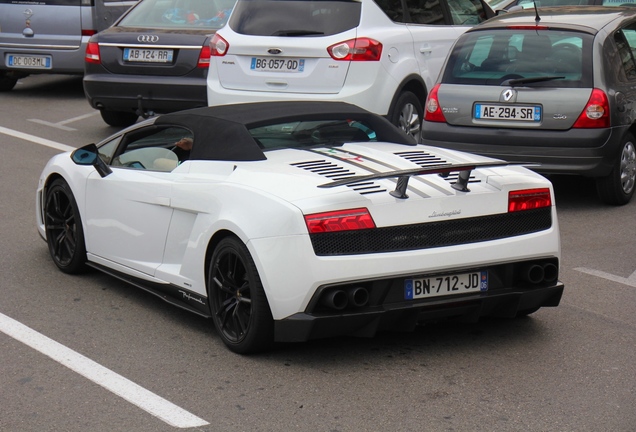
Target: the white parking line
(36, 139)
(60, 125)
(123, 387)
(631, 280)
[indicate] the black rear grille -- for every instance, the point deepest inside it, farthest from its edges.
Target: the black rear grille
(432, 234)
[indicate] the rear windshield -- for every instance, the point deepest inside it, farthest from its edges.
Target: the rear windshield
(312, 133)
(549, 58)
(166, 14)
(294, 17)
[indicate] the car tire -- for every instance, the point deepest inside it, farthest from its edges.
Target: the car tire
(6, 82)
(119, 118)
(618, 187)
(239, 307)
(64, 231)
(408, 114)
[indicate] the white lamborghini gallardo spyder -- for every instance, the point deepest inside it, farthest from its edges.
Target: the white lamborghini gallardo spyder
(289, 221)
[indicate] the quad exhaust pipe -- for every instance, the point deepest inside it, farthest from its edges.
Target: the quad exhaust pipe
(339, 299)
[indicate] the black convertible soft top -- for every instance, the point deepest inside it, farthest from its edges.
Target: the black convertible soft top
(222, 132)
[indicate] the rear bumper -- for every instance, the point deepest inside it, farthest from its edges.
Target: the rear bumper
(161, 94)
(302, 327)
(513, 288)
(588, 152)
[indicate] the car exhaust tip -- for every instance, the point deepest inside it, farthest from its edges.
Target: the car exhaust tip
(336, 299)
(534, 273)
(358, 296)
(550, 272)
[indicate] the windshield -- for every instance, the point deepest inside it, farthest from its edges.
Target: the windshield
(167, 14)
(539, 58)
(294, 17)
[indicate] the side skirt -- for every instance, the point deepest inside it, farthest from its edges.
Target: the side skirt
(175, 295)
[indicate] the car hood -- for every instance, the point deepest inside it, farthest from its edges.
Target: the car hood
(302, 178)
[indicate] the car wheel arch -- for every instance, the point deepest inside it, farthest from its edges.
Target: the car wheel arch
(413, 83)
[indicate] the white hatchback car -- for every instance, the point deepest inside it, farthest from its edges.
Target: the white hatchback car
(382, 55)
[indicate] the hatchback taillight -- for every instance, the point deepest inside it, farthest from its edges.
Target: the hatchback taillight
(596, 113)
(92, 53)
(433, 111)
(529, 199)
(340, 220)
(218, 46)
(204, 57)
(360, 49)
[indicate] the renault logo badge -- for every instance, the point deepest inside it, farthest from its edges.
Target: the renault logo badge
(509, 95)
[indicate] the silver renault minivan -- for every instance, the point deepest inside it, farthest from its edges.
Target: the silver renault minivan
(50, 36)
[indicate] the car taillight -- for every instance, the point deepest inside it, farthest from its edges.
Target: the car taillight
(218, 46)
(433, 111)
(529, 199)
(204, 57)
(88, 32)
(596, 112)
(340, 220)
(360, 49)
(92, 53)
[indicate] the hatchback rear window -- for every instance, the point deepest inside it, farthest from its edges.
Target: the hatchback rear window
(553, 58)
(166, 14)
(294, 17)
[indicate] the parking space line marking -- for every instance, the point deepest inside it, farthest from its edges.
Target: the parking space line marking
(36, 139)
(60, 125)
(111, 381)
(631, 280)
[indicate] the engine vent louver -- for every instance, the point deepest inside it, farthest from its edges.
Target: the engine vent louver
(336, 172)
(425, 159)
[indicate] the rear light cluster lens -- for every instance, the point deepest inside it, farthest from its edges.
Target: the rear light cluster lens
(204, 57)
(596, 112)
(341, 220)
(433, 111)
(360, 49)
(92, 53)
(218, 46)
(529, 199)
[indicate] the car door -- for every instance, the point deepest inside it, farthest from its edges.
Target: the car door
(435, 26)
(128, 212)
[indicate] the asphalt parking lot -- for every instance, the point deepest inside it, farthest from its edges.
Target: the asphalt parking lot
(88, 352)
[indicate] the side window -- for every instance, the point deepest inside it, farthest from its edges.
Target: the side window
(626, 44)
(107, 150)
(154, 149)
(393, 9)
(466, 12)
(425, 12)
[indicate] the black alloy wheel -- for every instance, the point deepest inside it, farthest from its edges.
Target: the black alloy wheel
(238, 303)
(63, 225)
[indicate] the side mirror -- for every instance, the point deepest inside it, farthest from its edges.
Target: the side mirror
(89, 155)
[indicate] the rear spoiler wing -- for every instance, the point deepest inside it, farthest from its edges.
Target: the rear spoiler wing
(403, 176)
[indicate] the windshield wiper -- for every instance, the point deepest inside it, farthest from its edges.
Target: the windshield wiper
(517, 81)
(297, 33)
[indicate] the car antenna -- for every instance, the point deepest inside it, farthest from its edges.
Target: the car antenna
(537, 18)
